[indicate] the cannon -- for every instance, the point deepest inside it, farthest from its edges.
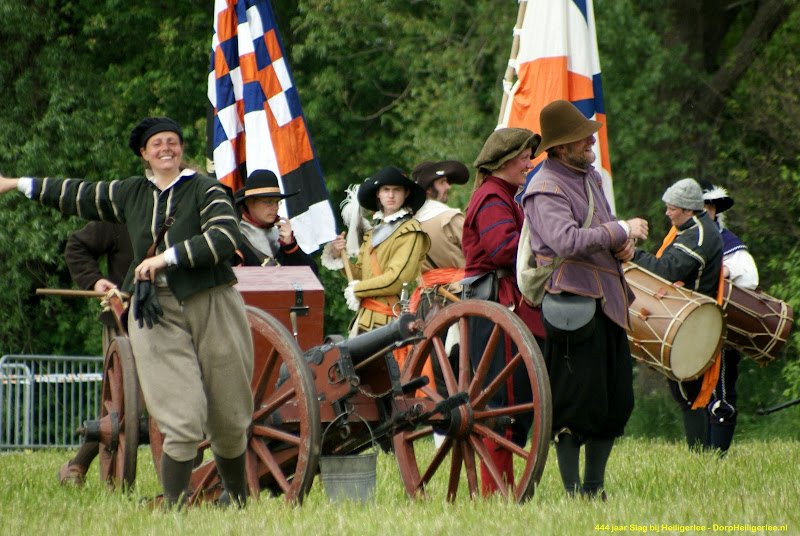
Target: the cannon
(356, 391)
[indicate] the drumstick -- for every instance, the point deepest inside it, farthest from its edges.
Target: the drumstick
(348, 272)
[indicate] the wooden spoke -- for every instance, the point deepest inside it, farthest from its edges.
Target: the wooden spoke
(475, 371)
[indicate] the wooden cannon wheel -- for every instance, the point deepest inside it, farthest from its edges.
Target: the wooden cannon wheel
(284, 437)
(119, 416)
(473, 421)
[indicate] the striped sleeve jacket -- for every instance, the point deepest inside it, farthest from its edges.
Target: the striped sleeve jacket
(205, 232)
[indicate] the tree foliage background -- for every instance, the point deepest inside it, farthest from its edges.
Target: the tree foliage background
(709, 89)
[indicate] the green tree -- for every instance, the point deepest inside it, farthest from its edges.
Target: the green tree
(75, 78)
(706, 89)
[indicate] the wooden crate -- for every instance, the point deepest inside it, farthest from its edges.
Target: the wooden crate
(278, 290)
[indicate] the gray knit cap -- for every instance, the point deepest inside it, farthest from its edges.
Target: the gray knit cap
(685, 194)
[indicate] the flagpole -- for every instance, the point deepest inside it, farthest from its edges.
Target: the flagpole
(508, 79)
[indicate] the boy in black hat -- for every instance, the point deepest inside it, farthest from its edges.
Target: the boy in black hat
(267, 238)
(391, 252)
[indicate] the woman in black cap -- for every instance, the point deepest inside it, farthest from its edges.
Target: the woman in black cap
(391, 252)
(738, 266)
(491, 235)
(267, 238)
(189, 330)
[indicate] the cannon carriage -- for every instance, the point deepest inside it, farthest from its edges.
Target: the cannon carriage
(354, 390)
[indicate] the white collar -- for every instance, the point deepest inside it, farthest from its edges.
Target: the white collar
(152, 178)
(396, 216)
(432, 208)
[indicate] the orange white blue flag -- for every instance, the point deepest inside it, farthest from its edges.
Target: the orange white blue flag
(258, 122)
(557, 58)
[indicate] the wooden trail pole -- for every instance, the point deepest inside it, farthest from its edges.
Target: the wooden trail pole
(70, 292)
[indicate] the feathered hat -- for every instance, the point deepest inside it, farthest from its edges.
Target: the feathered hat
(716, 195)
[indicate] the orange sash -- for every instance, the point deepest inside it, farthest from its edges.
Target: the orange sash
(712, 375)
(431, 278)
(379, 307)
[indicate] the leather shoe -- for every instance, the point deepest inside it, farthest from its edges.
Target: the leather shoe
(72, 475)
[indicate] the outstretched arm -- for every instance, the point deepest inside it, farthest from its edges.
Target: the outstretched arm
(7, 184)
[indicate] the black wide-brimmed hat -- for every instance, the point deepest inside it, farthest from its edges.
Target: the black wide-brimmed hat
(149, 127)
(427, 172)
(716, 195)
(390, 176)
(261, 183)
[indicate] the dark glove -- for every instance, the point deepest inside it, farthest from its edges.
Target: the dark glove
(145, 304)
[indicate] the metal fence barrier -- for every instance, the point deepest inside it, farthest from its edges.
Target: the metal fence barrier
(44, 399)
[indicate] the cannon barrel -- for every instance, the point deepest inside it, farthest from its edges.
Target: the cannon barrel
(364, 345)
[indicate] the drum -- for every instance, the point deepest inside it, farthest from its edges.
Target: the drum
(674, 330)
(758, 324)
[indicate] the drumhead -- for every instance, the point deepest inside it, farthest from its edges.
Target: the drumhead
(697, 341)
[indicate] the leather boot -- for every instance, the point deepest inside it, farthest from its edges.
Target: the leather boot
(175, 477)
(721, 436)
(233, 475)
(695, 424)
(503, 459)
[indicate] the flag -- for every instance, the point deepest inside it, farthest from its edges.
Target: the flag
(557, 58)
(258, 122)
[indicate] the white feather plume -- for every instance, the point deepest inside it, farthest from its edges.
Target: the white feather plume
(353, 217)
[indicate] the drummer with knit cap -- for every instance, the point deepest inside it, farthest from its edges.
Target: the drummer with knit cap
(574, 232)
(691, 253)
(391, 252)
(738, 266)
(490, 239)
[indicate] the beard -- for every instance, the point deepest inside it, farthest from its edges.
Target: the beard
(579, 159)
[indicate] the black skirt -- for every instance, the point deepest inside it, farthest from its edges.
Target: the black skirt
(591, 380)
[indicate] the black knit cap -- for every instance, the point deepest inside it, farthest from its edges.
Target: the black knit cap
(147, 128)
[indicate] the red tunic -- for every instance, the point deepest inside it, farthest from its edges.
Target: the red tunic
(491, 234)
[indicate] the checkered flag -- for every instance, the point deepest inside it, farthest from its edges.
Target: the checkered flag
(258, 122)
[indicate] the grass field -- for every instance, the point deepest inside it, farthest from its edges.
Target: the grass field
(653, 486)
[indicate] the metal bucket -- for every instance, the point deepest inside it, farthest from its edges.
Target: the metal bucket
(350, 477)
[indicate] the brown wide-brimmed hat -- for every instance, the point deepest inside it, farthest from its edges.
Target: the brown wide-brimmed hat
(261, 183)
(427, 172)
(390, 176)
(504, 144)
(716, 195)
(561, 122)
